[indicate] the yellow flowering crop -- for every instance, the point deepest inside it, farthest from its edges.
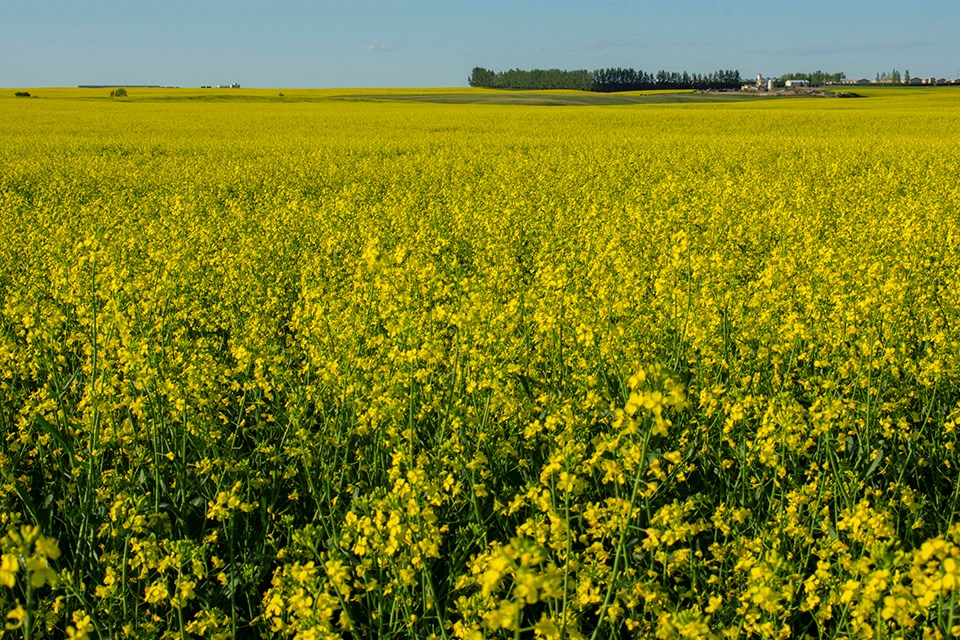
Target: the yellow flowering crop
(335, 365)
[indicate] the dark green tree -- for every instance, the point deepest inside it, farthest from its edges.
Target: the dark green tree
(481, 77)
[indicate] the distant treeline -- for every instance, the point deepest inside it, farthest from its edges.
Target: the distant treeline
(603, 80)
(816, 79)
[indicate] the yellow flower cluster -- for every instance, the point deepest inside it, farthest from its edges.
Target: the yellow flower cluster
(26, 574)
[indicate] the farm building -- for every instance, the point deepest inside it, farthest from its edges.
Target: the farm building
(797, 83)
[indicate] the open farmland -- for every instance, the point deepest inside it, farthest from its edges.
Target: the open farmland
(314, 367)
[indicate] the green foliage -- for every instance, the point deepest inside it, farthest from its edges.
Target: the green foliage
(604, 80)
(817, 78)
(534, 79)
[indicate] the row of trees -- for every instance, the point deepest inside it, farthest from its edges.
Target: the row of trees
(619, 79)
(580, 79)
(817, 78)
(603, 80)
(893, 77)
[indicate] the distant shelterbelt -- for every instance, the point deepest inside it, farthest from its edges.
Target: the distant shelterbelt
(603, 80)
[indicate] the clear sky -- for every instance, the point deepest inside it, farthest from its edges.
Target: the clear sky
(435, 43)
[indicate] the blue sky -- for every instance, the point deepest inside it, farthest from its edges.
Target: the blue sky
(435, 43)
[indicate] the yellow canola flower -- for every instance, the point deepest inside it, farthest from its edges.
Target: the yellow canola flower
(16, 616)
(156, 592)
(47, 547)
(81, 627)
(8, 570)
(40, 572)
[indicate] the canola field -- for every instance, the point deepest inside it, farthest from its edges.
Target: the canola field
(306, 367)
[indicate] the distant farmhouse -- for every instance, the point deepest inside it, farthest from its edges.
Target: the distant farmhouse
(914, 81)
(762, 84)
(769, 84)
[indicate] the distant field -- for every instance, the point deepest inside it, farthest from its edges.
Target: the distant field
(451, 363)
(447, 96)
(459, 95)
(557, 98)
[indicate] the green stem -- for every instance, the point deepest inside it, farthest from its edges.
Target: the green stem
(516, 621)
(233, 569)
(123, 575)
(27, 618)
(950, 614)
(621, 542)
(566, 564)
